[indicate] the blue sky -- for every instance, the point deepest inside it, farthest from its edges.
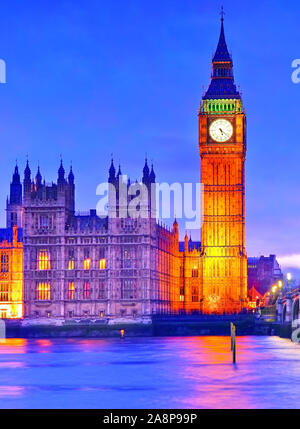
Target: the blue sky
(89, 78)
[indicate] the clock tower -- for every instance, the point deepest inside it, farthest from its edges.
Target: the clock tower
(222, 146)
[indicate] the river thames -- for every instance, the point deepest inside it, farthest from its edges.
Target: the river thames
(167, 372)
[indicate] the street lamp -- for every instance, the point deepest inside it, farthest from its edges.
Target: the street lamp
(274, 288)
(289, 278)
(280, 284)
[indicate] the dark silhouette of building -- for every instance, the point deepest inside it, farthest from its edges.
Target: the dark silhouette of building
(263, 273)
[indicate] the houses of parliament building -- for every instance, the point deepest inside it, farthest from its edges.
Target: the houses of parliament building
(58, 265)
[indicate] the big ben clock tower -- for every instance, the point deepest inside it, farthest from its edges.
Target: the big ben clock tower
(222, 146)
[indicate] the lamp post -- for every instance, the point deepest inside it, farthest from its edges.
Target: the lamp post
(280, 284)
(274, 288)
(289, 278)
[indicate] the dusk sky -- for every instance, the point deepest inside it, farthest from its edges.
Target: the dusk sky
(89, 78)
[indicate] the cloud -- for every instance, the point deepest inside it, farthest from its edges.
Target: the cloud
(289, 261)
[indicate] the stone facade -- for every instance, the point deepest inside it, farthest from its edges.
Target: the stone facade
(83, 266)
(11, 273)
(115, 268)
(222, 147)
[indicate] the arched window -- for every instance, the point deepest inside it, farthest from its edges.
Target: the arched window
(128, 290)
(4, 292)
(102, 264)
(71, 291)
(87, 264)
(195, 272)
(43, 291)
(4, 263)
(86, 290)
(102, 291)
(43, 260)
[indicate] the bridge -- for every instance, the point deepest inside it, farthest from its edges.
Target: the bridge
(287, 308)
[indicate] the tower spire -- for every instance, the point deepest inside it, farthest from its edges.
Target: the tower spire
(222, 83)
(222, 13)
(222, 53)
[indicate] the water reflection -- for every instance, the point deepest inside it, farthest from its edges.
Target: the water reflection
(188, 372)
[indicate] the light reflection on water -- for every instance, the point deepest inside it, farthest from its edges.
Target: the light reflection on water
(185, 372)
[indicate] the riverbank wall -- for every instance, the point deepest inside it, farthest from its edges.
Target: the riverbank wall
(160, 326)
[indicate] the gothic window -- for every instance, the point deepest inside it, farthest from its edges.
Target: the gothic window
(3, 314)
(13, 219)
(43, 291)
(43, 260)
(128, 290)
(4, 292)
(128, 258)
(86, 290)
(101, 253)
(4, 263)
(87, 260)
(71, 262)
(71, 291)
(87, 264)
(86, 253)
(102, 264)
(195, 294)
(44, 222)
(195, 272)
(102, 291)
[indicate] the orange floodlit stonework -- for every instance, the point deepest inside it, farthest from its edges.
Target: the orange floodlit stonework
(222, 146)
(11, 274)
(80, 265)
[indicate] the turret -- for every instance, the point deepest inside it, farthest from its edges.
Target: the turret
(71, 177)
(27, 177)
(14, 202)
(61, 174)
(146, 173)
(38, 178)
(16, 188)
(186, 243)
(175, 230)
(119, 172)
(71, 180)
(152, 175)
(112, 173)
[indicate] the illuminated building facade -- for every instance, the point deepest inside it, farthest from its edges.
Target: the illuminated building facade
(222, 146)
(80, 265)
(11, 273)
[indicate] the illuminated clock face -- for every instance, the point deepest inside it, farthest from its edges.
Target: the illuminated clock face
(220, 130)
